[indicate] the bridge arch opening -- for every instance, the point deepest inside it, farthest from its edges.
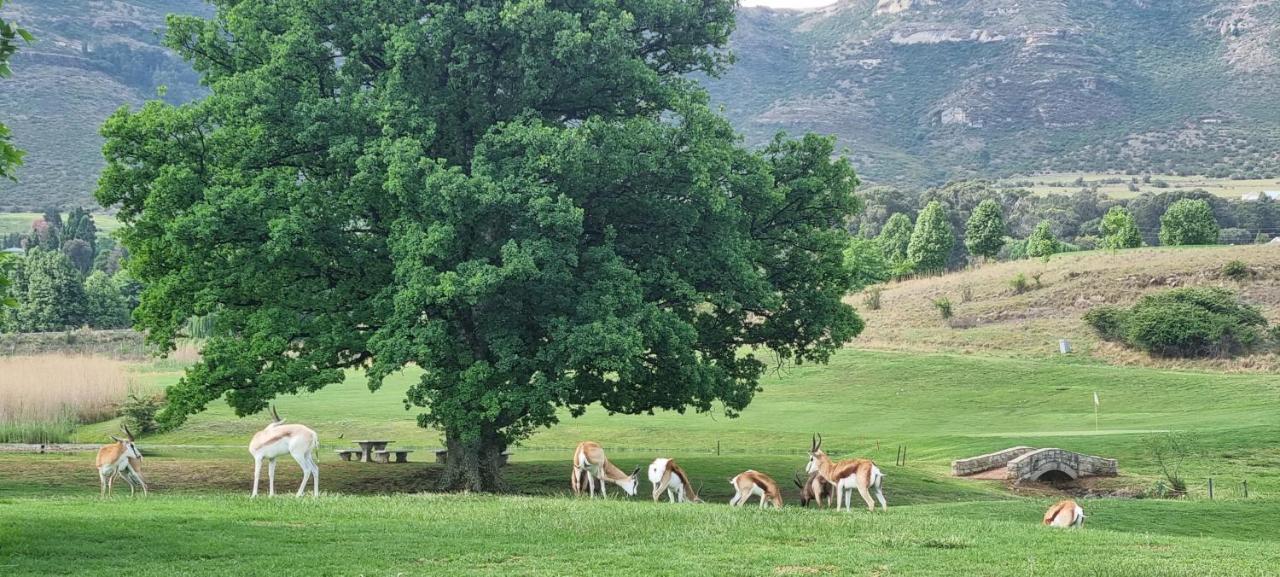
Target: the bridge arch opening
(1055, 476)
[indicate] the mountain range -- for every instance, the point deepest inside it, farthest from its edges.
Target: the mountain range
(918, 91)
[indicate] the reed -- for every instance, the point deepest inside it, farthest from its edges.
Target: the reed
(43, 398)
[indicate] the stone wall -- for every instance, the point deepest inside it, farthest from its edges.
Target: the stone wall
(1032, 464)
(988, 461)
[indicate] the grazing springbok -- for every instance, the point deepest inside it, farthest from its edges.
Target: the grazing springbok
(667, 476)
(813, 488)
(114, 459)
(281, 439)
(751, 483)
(589, 463)
(860, 474)
(1064, 513)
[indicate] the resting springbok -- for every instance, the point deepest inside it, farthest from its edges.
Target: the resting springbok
(114, 460)
(860, 474)
(590, 463)
(667, 476)
(814, 489)
(280, 439)
(751, 483)
(1064, 513)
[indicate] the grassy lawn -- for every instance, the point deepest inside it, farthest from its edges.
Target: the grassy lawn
(1064, 183)
(21, 222)
(474, 535)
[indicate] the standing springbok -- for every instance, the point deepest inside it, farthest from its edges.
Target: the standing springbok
(751, 483)
(589, 463)
(860, 474)
(281, 439)
(667, 476)
(813, 488)
(113, 460)
(1064, 513)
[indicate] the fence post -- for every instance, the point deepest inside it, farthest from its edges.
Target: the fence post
(717, 447)
(904, 455)
(1210, 488)
(1246, 488)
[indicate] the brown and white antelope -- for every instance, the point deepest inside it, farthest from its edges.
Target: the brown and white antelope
(1066, 513)
(590, 464)
(114, 460)
(813, 488)
(847, 475)
(668, 477)
(279, 439)
(751, 483)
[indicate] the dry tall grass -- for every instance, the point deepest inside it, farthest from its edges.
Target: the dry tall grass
(1001, 320)
(42, 395)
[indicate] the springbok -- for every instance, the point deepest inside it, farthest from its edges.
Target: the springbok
(814, 488)
(751, 483)
(1064, 513)
(114, 460)
(590, 463)
(860, 474)
(667, 476)
(281, 439)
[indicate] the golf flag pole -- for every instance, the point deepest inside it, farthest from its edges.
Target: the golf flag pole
(1095, 411)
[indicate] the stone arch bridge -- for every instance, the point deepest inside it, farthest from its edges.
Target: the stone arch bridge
(1032, 464)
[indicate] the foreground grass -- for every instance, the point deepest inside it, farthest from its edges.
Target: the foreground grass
(459, 535)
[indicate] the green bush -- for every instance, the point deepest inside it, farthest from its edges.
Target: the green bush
(1019, 284)
(872, 298)
(1237, 270)
(139, 413)
(944, 307)
(1184, 322)
(1108, 322)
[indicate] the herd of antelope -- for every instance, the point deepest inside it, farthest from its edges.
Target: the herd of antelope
(827, 482)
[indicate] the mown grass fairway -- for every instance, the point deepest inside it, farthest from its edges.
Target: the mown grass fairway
(460, 535)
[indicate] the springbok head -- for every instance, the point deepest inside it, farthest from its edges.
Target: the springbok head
(632, 484)
(815, 453)
(130, 450)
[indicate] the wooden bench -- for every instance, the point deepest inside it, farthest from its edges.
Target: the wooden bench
(384, 456)
(348, 454)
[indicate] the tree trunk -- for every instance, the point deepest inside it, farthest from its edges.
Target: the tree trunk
(474, 464)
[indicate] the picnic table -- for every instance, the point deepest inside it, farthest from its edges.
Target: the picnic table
(367, 448)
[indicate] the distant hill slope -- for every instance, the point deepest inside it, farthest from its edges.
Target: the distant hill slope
(90, 58)
(997, 321)
(920, 91)
(926, 90)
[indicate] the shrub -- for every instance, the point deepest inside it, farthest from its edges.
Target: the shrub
(139, 413)
(1183, 322)
(943, 305)
(966, 293)
(1262, 238)
(1237, 270)
(1036, 277)
(1019, 284)
(872, 298)
(1107, 321)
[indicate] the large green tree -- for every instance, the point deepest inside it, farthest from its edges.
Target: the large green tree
(894, 239)
(931, 240)
(49, 294)
(10, 155)
(529, 201)
(984, 232)
(1188, 222)
(1043, 242)
(1120, 229)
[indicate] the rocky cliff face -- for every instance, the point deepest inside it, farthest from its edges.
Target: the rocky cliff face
(935, 89)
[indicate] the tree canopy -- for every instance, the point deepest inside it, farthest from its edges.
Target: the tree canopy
(931, 240)
(1188, 221)
(984, 232)
(529, 201)
(1042, 242)
(1120, 229)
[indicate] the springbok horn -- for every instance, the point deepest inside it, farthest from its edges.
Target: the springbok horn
(813, 442)
(819, 441)
(796, 479)
(116, 439)
(633, 473)
(126, 431)
(274, 415)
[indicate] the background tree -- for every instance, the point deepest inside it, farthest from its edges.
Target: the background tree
(49, 293)
(80, 253)
(894, 239)
(867, 266)
(105, 306)
(931, 241)
(10, 34)
(1188, 222)
(1042, 241)
(1120, 230)
(531, 202)
(985, 231)
(1148, 209)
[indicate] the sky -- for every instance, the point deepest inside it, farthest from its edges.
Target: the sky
(796, 4)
